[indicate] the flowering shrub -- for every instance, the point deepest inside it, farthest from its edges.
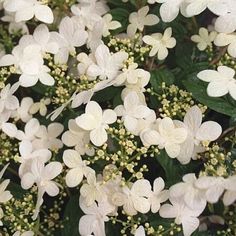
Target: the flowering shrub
(117, 117)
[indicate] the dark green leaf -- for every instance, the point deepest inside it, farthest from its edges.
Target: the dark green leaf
(174, 171)
(160, 76)
(71, 217)
(199, 88)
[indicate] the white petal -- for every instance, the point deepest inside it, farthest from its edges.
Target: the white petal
(28, 80)
(27, 180)
(52, 189)
(141, 188)
(74, 177)
(46, 79)
(24, 14)
(52, 170)
(172, 150)
(98, 136)
(72, 158)
(9, 129)
(217, 89)
(209, 131)
(209, 75)
(44, 14)
(190, 224)
(109, 116)
(193, 118)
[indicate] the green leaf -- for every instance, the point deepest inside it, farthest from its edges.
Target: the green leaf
(121, 15)
(73, 213)
(174, 171)
(160, 76)
(198, 89)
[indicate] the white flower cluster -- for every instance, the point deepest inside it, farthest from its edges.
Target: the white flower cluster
(224, 9)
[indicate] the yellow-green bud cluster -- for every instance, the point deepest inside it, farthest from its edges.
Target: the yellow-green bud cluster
(174, 101)
(8, 149)
(18, 214)
(218, 162)
(134, 47)
(65, 84)
(124, 151)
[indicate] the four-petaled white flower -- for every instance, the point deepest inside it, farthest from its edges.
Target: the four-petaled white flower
(47, 137)
(160, 43)
(94, 220)
(7, 100)
(78, 168)
(193, 197)
(109, 24)
(139, 19)
(78, 138)
(96, 121)
(182, 214)
(93, 190)
(108, 66)
(197, 132)
(221, 82)
(171, 137)
(158, 195)
(204, 39)
(134, 199)
(132, 111)
(43, 177)
(26, 9)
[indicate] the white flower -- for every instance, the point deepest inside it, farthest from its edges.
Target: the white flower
(78, 138)
(134, 199)
(42, 175)
(29, 63)
(96, 216)
(132, 111)
(28, 154)
(197, 133)
(15, 27)
(172, 137)
(30, 130)
(193, 197)
(78, 168)
(139, 19)
(230, 193)
(7, 100)
(40, 106)
(169, 9)
(221, 82)
(229, 40)
(109, 24)
(84, 62)
(22, 112)
(204, 39)
(108, 65)
(227, 23)
(96, 121)
(27, 9)
(93, 190)
(182, 214)
(26, 233)
(214, 187)
(218, 7)
(5, 196)
(70, 36)
(133, 75)
(47, 137)
(41, 37)
(158, 195)
(160, 43)
(140, 231)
